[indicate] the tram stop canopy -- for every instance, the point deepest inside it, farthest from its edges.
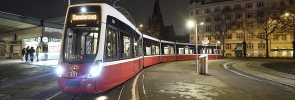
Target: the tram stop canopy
(12, 22)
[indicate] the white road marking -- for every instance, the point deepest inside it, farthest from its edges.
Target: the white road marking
(134, 86)
(4, 79)
(54, 96)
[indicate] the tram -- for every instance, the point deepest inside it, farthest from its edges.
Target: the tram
(101, 49)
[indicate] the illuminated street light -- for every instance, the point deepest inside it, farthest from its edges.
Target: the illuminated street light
(191, 24)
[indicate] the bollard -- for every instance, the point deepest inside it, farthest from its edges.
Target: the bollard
(203, 64)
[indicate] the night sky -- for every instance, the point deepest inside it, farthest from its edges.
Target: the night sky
(173, 11)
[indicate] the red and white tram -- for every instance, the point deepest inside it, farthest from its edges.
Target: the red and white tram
(102, 49)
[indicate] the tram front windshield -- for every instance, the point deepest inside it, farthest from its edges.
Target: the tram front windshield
(81, 36)
(81, 44)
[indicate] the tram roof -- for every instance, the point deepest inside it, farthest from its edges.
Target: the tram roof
(13, 22)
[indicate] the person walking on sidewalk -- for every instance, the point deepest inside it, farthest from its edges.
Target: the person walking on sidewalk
(38, 51)
(27, 53)
(23, 53)
(31, 52)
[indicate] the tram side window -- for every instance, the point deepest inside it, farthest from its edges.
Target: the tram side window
(151, 47)
(125, 46)
(137, 48)
(148, 50)
(111, 43)
(191, 51)
(180, 50)
(155, 50)
(172, 50)
(168, 50)
(186, 50)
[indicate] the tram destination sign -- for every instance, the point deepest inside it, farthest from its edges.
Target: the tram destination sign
(76, 17)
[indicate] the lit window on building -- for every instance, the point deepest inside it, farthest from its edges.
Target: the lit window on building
(249, 5)
(217, 9)
(249, 45)
(282, 3)
(228, 36)
(239, 15)
(261, 35)
(237, 6)
(226, 7)
(228, 16)
(261, 45)
(284, 37)
(228, 46)
(207, 11)
(249, 15)
(197, 12)
(260, 4)
(240, 36)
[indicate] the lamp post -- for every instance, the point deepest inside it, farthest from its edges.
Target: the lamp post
(191, 24)
(216, 51)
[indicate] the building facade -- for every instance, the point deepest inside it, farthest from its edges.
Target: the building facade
(241, 40)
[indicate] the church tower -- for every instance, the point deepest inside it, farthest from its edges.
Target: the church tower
(156, 22)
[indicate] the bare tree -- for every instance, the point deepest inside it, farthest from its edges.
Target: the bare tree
(270, 21)
(224, 25)
(154, 32)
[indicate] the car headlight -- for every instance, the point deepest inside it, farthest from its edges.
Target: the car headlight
(95, 70)
(59, 70)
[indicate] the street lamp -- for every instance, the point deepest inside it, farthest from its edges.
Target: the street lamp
(293, 25)
(216, 51)
(191, 24)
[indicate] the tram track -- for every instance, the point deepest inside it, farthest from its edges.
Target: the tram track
(115, 93)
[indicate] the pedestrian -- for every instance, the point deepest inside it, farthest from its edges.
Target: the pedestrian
(27, 53)
(31, 52)
(23, 53)
(38, 51)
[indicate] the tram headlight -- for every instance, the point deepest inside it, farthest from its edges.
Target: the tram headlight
(59, 71)
(95, 70)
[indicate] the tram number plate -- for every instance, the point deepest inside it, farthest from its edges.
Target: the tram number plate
(73, 83)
